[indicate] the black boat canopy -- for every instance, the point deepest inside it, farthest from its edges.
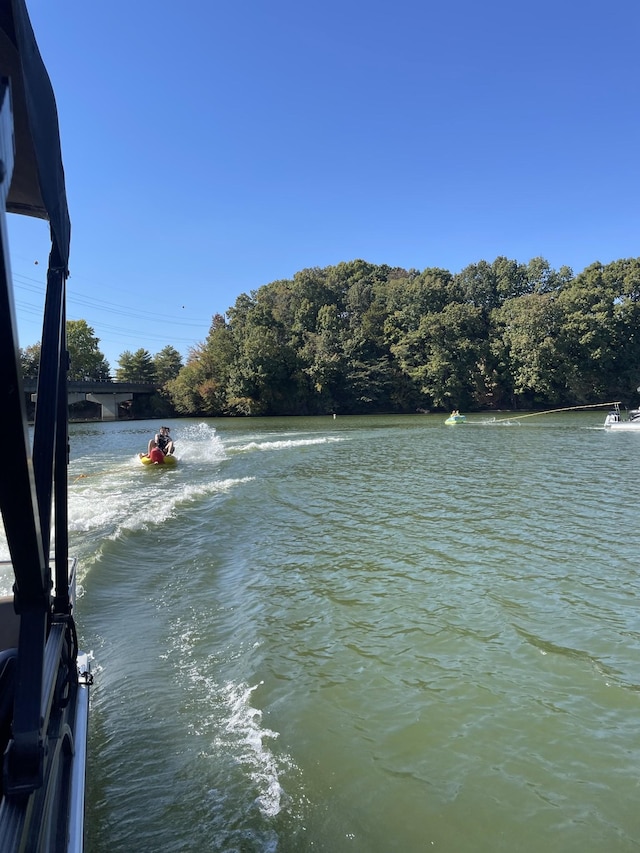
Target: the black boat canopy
(32, 183)
(41, 732)
(37, 187)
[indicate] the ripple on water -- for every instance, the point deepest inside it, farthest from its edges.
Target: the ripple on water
(410, 637)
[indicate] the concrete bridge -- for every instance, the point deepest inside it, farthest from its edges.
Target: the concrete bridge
(108, 395)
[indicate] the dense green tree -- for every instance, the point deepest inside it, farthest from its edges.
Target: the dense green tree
(409, 299)
(267, 377)
(186, 390)
(136, 366)
(542, 278)
(527, 344)
(167, 364)
(477, 285)
(600, 330)
(437, 335)
(626, 380)
(448, 349)
(30, 361)
(201, 386)
(358, 337)
(86, 362)
(323, 357)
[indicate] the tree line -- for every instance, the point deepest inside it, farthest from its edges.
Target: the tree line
(87, 363)
(363, 338)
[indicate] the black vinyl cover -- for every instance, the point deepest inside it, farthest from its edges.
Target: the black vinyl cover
(38, 186)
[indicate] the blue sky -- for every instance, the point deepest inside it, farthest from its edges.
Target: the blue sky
(211, 148)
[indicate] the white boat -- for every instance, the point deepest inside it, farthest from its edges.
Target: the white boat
(615, 421)
(44, 679)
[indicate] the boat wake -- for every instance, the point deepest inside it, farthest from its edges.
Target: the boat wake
(108, 503)
(232, 728)
(284, 444)
(244, 733)
(110, 512)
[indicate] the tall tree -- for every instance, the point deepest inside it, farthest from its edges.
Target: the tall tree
(201, 387)
(136, 367)
(167, 364)
(86, 362)
(30, 361)
(601, 316)
(267, 376)
(526, 341)
(453, 344)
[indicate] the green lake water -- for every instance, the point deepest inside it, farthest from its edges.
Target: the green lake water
(361, 634)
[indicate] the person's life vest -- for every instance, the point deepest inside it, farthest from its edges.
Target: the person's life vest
(156, 455)
(162, 441)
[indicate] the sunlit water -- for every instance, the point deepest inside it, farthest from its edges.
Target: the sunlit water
(361, 634)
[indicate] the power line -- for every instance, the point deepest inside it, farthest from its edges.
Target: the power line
(112, 307)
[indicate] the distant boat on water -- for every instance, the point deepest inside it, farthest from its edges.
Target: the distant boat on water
(614, 420)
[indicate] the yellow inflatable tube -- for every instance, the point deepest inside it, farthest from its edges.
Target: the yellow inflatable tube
(169, 462)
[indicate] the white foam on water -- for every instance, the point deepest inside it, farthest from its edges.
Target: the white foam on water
(198, 443)
(113, 512)
(235, 726)
(111, 500)
(110, 497)
(245, 733)
(285, 444)
(109, 511)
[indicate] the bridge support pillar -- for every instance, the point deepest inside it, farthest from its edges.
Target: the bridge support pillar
(109, 403)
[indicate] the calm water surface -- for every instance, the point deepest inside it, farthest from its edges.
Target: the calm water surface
(362, 634)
